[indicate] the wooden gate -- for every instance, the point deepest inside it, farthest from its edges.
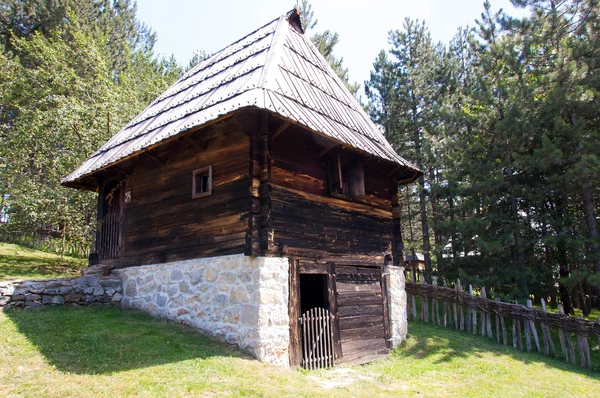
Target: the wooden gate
(316, 326)
(109, 236)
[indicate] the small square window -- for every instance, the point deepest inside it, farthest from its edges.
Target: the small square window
(346, 179)
(202, 182)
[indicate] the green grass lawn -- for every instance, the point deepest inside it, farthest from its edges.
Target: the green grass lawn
(84, 352)
(18, 262)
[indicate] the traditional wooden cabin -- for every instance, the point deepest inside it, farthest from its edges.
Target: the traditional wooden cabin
(252, 191)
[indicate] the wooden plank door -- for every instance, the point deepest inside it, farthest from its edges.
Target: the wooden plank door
(360, 306)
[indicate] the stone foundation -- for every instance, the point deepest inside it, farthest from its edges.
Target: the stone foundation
(397, 304)
(238, 299)
(84, 291)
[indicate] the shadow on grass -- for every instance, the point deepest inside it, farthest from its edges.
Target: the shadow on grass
(28, 267)
(107, 340)
(443, 345)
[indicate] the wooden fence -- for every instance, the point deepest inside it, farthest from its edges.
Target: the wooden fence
(505, 322)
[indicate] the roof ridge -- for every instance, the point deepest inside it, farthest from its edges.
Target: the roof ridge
(275, 43)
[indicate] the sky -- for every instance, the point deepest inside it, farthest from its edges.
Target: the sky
(184, 26)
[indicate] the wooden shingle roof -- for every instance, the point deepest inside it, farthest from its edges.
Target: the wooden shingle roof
(275, 68)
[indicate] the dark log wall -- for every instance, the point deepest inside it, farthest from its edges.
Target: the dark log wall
(164, 223)
(307, 221)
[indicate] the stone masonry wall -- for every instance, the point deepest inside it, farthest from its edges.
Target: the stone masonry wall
(85, 291)
(238, 299)
(397, 304)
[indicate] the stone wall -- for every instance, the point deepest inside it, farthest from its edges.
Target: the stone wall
(397, 304)
(84, 291)
(238, 299)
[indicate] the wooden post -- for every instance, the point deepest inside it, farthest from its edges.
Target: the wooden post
(497, 324)
(435, 313)
(548, 334)
(295, 348)
(514, 333)
(474, 313)
(332, 291)
(584, 349)
(425, 304)
(527, 335)
(533, 329)
(488, 318)
(423, 299)
(414, 307)
(455, 305)
(561, 336)
(469, 315)
(571, 348)
(483, 314)
(437, 310)
(461, 308)
(519, 335)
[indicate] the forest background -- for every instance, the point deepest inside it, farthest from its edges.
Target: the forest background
(504, 121)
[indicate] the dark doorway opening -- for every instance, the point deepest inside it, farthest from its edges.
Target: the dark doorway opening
(313, 292)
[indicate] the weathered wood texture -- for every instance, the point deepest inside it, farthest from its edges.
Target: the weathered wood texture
(164, 223)
(295, 348)
(307, 221)
(307, 224)
(514, 311)
(523, 319)
(361, 312)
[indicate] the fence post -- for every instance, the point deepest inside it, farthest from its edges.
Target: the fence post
(533, 329)
(461, 308)
(446, 309)
(469, 315)
(503, 325)
(561, 336)
(414, 306)
(584, 349)
(548, 334)
(483, 314)
(497, 323)
(435, 312)
(455, 305)
(474, 312)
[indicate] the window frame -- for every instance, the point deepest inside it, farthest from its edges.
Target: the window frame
(202, 171)
(346, 174)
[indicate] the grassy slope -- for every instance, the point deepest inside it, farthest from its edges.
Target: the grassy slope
(108, 352)
(18, 262)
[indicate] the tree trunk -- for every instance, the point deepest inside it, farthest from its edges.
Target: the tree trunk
(592, 224)
(437, 238)
(425, 229)
(520, 253)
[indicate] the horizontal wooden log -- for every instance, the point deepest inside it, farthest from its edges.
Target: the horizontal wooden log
(375, 332)
(360, 310)
(360, 298)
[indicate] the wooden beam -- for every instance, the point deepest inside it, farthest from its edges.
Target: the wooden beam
(329, 148)
(281, 129)
(121, 170)
(295, 349)
(239, 125)
(153, 157)
(194, 143)
(393, 172)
